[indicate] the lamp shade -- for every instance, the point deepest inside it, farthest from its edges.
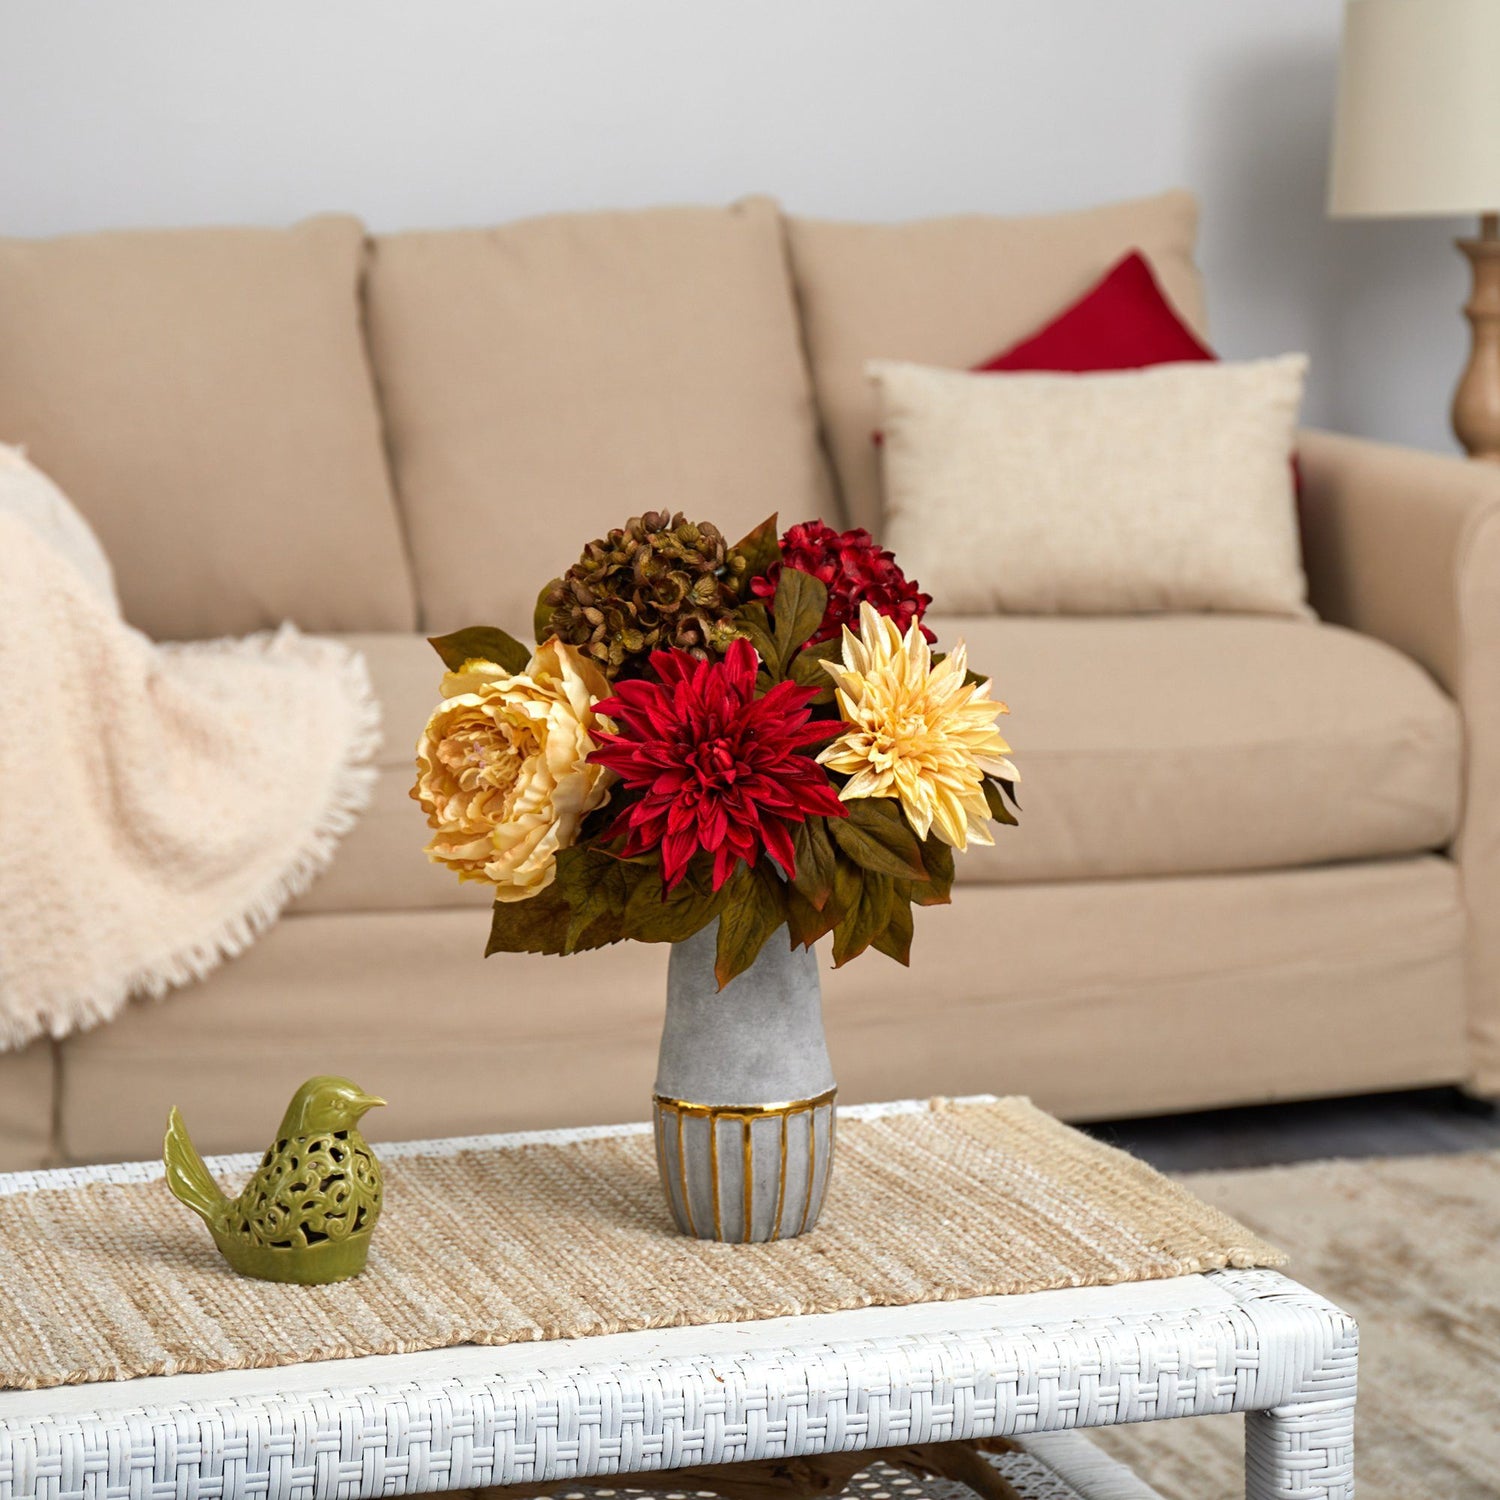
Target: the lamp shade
(1418, 123)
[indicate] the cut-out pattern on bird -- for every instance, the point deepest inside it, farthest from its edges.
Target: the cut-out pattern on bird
(307, 1213)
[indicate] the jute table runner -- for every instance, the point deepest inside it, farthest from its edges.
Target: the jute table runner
(501, 1245)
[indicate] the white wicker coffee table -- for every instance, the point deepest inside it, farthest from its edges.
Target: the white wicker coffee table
(632, 1403)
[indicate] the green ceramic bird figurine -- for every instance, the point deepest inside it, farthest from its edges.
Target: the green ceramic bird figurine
(307, 1213)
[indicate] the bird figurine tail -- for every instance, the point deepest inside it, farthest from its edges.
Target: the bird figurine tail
(187, 1176)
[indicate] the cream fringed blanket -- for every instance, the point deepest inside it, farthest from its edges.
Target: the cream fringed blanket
(159, 805)
(504, 1242)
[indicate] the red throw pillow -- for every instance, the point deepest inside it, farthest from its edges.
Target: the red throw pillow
(1124, 322)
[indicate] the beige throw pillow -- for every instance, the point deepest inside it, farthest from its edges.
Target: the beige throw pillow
(1120, 493)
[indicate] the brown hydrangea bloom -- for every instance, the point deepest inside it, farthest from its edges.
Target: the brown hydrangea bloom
(658, 581)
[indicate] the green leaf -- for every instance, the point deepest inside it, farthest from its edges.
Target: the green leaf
(848, 879)
(755, 625)
(877, 837)
(996, 803)
(938, 858)
(581, 909)
(482, 643)
(597, 899)
(806, 923)
(761, 550)
(580, 865)
(541, 616)
(886, 814)
(808, 671)
(813, 859)
(755, 909)
(867, 916)
(596, 887)
(1009, 788)
(894, 940)
(798, 609)
(536, 925)
(810, 658)
(654, 915)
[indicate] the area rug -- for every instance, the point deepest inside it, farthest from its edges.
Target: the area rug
(1411, 1247)
(507, 1242)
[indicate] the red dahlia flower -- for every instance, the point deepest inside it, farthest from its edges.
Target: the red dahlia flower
(855, 571)
(720, 769)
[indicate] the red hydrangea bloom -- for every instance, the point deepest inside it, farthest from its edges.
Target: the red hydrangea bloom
(855, 571)
(720, 769)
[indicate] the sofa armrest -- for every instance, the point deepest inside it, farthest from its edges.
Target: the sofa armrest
(1394, 540)
(1405, 546)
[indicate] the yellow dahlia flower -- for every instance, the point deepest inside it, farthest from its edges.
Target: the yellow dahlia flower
(915, 731)
(503, 772)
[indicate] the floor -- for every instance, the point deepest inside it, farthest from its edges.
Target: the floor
(1425, 1121)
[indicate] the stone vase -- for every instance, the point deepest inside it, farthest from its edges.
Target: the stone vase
(744, 1094)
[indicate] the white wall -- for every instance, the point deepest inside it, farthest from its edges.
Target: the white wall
(433, 112)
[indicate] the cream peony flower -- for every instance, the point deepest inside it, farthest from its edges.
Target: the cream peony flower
(503, 772)
(916, 732)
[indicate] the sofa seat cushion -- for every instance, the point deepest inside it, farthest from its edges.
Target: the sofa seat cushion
(204, 398)
(546, 380)
(1096, 998)
(1148, 746)
(1170, 745)
(952, 291)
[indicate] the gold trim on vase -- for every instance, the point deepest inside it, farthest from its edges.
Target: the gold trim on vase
(781, 1183)
(734, 1111)
(812, 1169)
(713, 1170)
(745, 1116)
(687, 1206)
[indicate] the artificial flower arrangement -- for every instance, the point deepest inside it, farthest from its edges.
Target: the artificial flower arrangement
(758, 733)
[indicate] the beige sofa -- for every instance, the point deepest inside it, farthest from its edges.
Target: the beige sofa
(1260, 858)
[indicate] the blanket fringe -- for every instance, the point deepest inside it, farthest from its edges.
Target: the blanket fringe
(350, 789)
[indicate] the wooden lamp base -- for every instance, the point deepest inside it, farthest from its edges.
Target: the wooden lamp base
(1476, 403)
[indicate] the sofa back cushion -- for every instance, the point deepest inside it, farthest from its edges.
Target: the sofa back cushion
(203, 397)
(955, 291)
(546, 380)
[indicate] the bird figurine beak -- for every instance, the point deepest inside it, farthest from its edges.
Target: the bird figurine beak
(369, 1101)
